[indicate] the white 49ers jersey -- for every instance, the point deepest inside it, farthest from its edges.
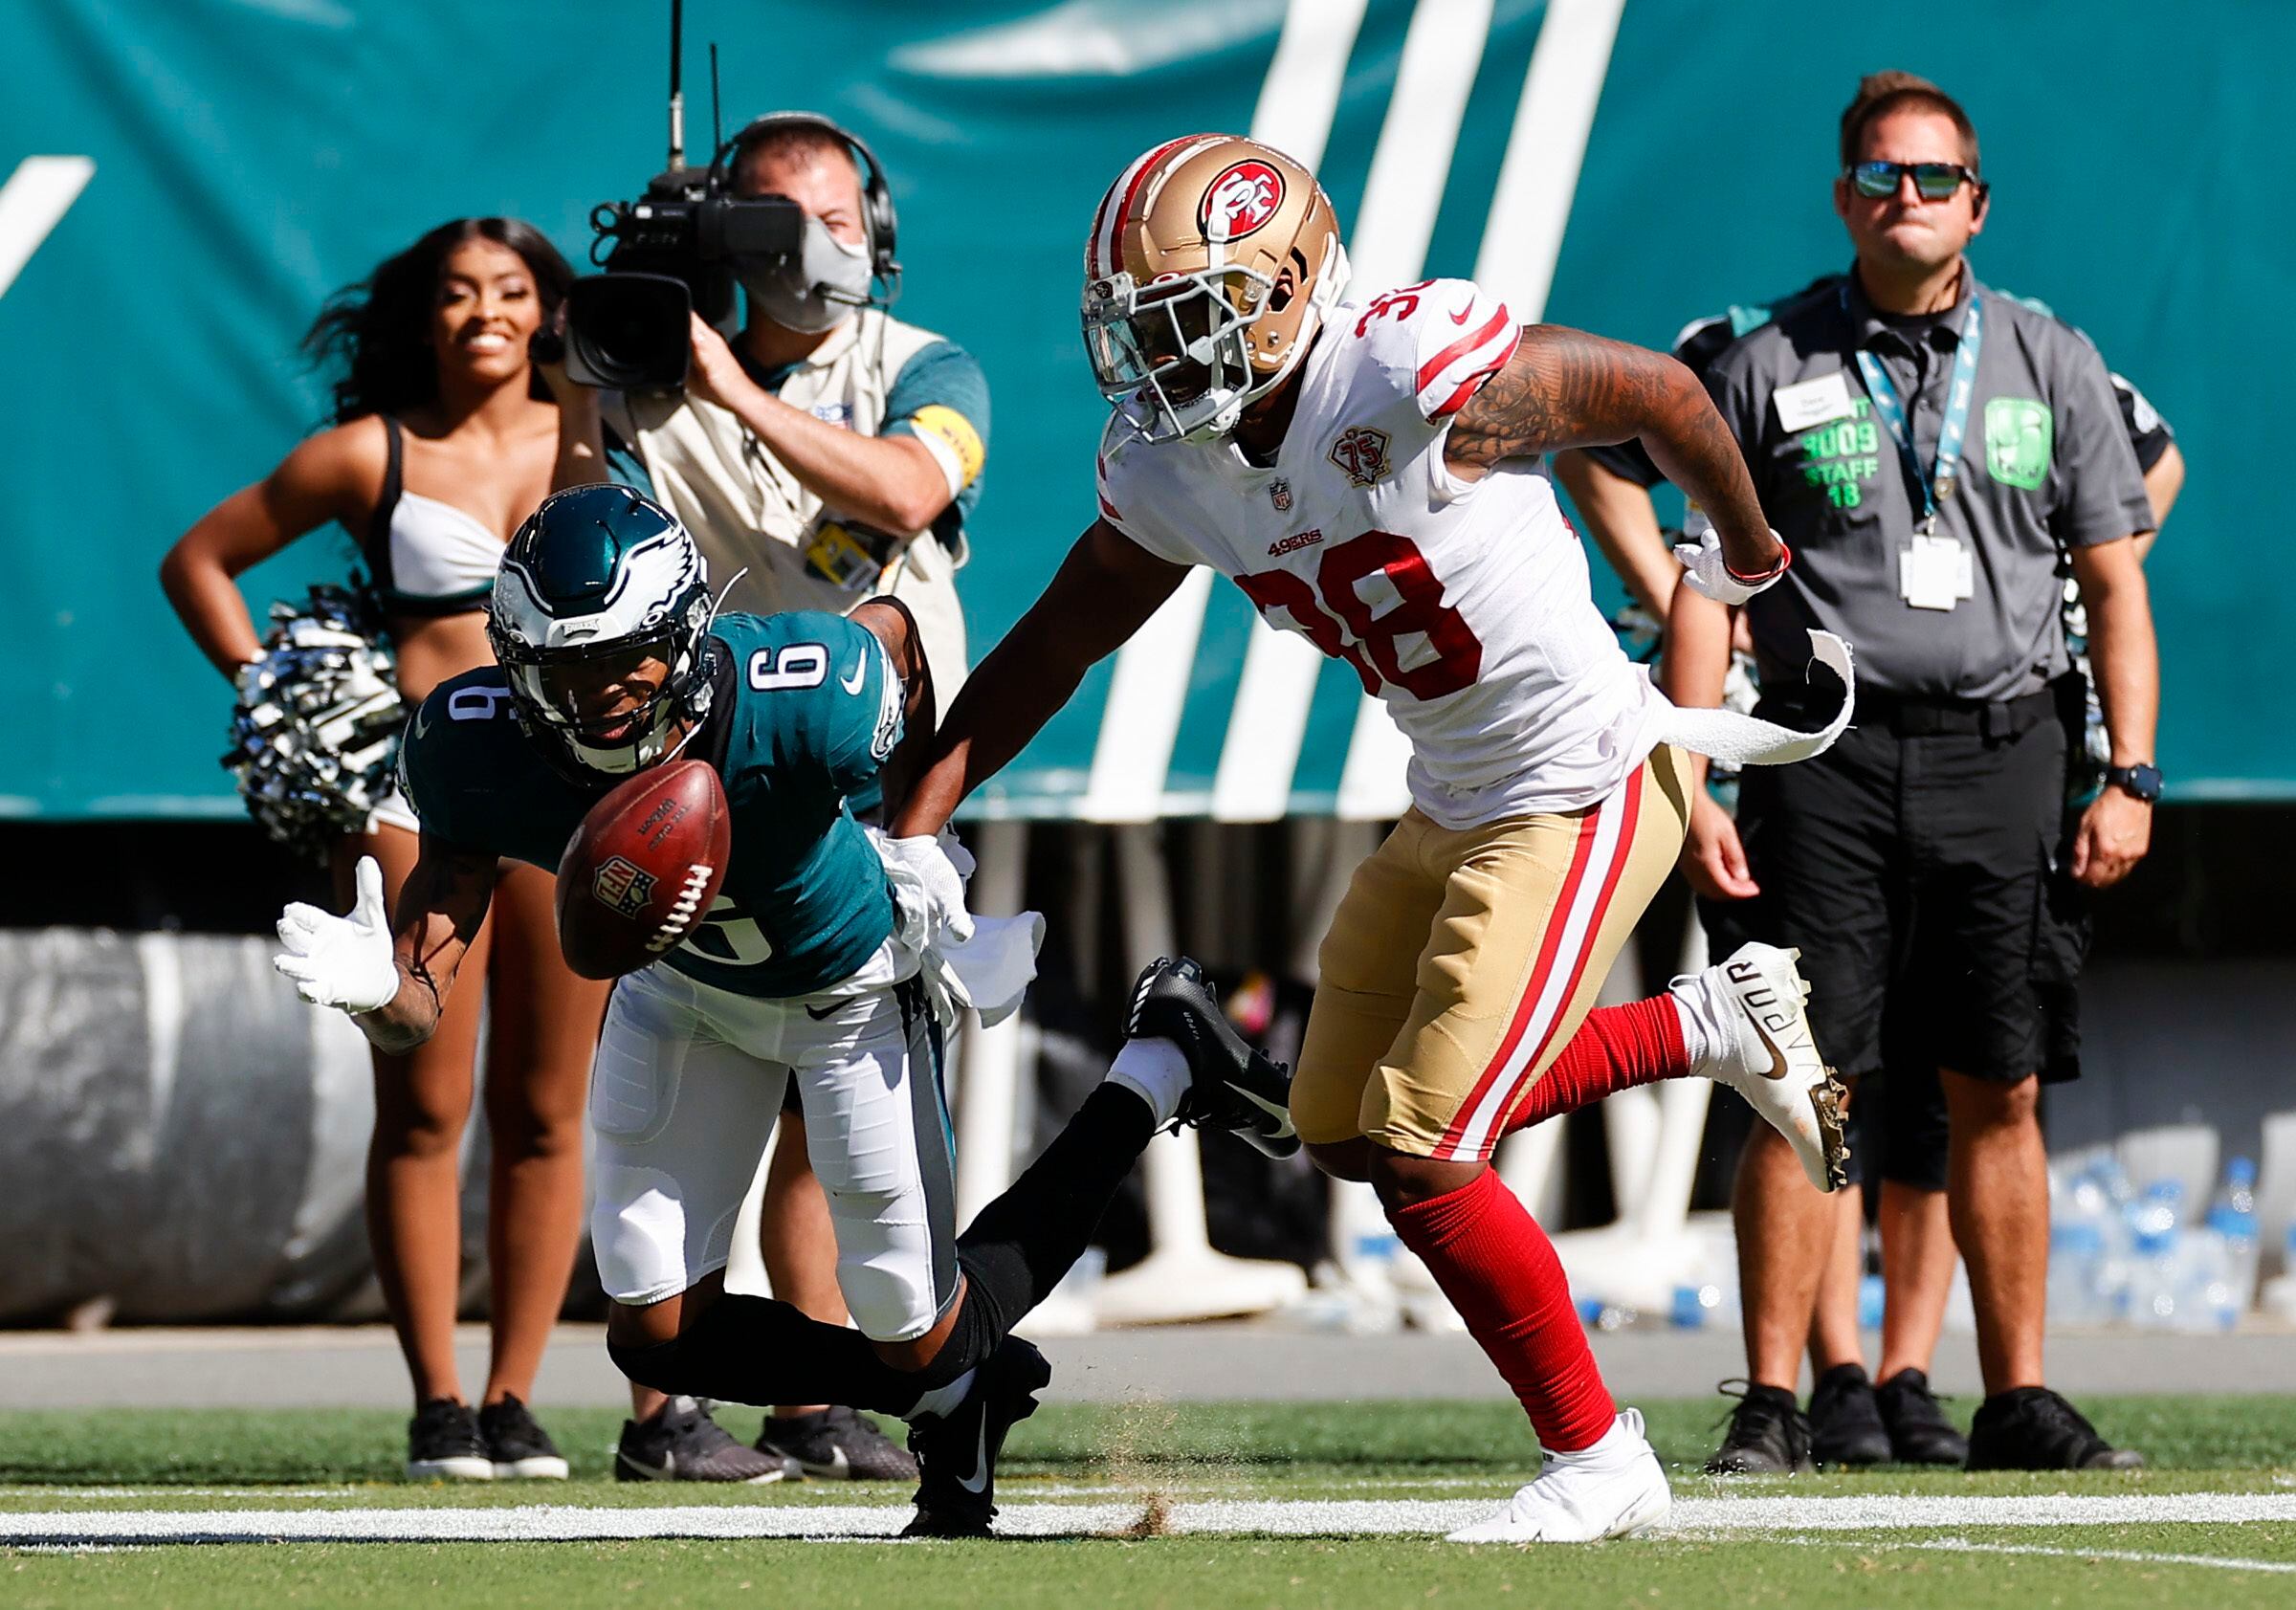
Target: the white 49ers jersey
(1464, 605)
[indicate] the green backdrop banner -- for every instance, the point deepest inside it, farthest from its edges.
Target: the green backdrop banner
(185, 181)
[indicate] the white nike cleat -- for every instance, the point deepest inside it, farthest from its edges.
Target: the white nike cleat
(1608, 1491)
(1763, 1050)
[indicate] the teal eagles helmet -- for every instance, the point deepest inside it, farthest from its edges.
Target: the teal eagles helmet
(596, 581)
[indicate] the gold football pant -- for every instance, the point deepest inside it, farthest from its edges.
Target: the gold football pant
(1461, 962)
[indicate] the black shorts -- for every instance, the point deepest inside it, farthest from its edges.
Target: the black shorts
(1922, 877)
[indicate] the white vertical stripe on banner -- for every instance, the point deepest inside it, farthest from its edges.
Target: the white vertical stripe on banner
(1298, 100)
(1540, 174)
(31, 202)
(1443, 50)
(1142, 720)
(1521, 241)
(1301, 94)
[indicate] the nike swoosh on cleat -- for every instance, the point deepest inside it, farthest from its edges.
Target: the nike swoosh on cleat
(1281, 1114)
(977, 1481)
(852, 684)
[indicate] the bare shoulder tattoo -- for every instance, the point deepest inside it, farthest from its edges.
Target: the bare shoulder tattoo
(1564, 388)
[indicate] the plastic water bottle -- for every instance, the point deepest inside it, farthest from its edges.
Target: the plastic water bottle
(2158, 1271)
(2076, 1267)
(2079, 1209)
(2233, 1217)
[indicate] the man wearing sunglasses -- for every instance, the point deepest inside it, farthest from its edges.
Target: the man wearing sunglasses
(1898, 1132)
(1927, 448)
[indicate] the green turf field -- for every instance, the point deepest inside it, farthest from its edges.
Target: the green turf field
(1195, 1506)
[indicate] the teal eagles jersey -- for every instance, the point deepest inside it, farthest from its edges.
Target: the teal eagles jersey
(807, 708)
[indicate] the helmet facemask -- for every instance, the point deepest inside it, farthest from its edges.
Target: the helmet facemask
(1210, 265)
(552, 687)
(561, 668)
(1177, 353)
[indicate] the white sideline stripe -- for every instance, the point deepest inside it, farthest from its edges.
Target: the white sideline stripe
(1693, 1517)
(1132, 761)
(1540, 174)
(1522, 238)
(1962, 1546)
(31, 202)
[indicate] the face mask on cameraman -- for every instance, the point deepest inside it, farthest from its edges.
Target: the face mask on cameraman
(813, 289)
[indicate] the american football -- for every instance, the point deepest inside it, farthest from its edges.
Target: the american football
(645, 864)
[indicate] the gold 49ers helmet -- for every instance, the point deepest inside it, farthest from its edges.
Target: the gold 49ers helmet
(1183, 315)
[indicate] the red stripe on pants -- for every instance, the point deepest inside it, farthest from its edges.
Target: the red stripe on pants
(1581, 852)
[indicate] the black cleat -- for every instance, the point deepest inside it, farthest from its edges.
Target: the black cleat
(1768, 1436)
(520, 1449)
(1846, 1423)
(956, 1492)
(837, 1445)
(683, 1444)
(2032, 1428)
(1919, 1433)
(1234, 1087)
(443, 1444)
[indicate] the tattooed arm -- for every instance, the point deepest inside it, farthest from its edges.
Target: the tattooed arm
(440, 907)
(1565, 389)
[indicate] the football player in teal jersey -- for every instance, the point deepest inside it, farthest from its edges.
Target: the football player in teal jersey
(809, 966)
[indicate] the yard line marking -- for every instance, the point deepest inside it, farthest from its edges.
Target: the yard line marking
(1691, 1517)
(1963, 1546)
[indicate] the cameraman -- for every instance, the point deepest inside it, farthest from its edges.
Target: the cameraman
(833, 451)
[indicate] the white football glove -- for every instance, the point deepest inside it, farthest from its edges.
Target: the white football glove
(344, 961)
(935, 867)
(1709, 577)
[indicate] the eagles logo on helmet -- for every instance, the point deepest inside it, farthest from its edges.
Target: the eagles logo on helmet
(1210, 267)
(598, 582)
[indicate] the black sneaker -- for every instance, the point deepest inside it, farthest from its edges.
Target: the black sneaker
(957, 1452)
(1919, 1433)
(520, 1449)
(1845, 1423)
(1234, 1087)
(1768, 1435)
(683, 1444)
(443, 1444)
(2032, 1428)
(838, 1445)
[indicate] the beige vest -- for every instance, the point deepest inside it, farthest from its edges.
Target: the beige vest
(747, 512)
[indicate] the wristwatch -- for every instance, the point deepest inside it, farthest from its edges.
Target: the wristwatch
(2140, 782)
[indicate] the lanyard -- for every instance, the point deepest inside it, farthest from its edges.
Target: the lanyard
(1938, 484)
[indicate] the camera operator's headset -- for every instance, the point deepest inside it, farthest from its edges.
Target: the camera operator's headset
(877, 221)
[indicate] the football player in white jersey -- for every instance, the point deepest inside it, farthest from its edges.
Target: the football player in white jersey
(1366, 474)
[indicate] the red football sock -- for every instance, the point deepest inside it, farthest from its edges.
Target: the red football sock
(1500, 1272)
(1616, 1048)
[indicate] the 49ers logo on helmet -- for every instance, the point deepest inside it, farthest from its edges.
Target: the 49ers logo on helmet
(1244, 197)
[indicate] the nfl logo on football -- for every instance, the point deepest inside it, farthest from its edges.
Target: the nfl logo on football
(622, 887)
